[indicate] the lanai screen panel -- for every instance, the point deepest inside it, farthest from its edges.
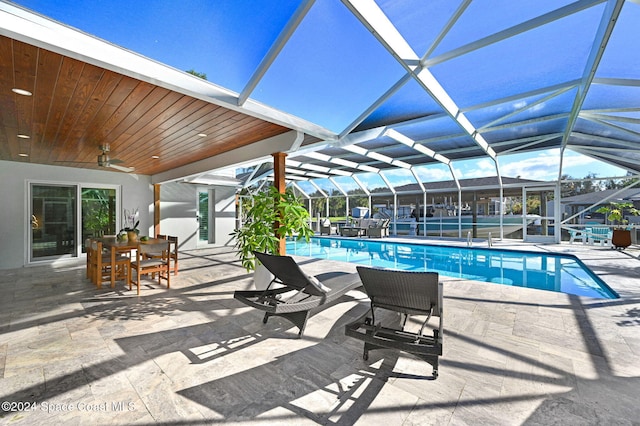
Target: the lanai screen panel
(409, 102)
(330, 71)
(621, 59)
(513, 111)
(521, 63)
(347, 184)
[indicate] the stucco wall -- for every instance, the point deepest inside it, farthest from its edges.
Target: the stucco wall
(178, 205)
(178, 213)
(225, 215)
(136, 192)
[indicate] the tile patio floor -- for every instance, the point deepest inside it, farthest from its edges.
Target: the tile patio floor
(192, 355)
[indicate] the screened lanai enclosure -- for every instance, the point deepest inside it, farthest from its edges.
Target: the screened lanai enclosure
(442, 115)
(476, 116)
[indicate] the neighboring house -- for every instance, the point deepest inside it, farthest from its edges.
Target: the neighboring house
(585, 205)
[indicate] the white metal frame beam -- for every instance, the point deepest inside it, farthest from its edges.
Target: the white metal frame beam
(515, 30)
(605, 29)
(372, 17)
(275, 49)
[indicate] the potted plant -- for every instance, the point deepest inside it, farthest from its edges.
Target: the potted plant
(614, 212)
(271, 216)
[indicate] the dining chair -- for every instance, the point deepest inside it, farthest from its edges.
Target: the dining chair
(173, 251)
(99, 264)
(149, 262)
(88, 251)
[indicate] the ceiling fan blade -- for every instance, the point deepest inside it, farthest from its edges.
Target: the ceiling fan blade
(103, 160)
(121, 168)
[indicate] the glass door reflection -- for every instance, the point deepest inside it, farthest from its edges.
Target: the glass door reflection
(53, 221)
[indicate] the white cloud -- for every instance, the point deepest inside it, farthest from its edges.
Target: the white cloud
(543, 166)
(399, 177)
(431, 174)
(577, 160)
(469, 169)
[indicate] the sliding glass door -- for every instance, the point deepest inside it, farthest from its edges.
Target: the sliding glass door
(62, 216)
(53, 221)
(98, 213)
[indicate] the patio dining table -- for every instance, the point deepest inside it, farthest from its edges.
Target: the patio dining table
(116, 247)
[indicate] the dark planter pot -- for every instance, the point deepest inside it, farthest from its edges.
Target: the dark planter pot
(621, 238)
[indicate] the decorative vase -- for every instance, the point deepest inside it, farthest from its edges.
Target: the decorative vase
(132, 236)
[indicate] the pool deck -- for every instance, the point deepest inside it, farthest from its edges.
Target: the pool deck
(193, 355)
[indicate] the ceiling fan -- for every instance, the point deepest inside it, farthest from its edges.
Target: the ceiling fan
(104, 160)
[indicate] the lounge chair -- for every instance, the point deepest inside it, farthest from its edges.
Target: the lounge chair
(294, 295)
(404, 292)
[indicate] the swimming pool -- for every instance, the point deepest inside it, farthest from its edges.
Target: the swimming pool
(543, 271)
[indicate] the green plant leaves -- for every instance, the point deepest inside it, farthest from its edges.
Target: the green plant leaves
(615, 211)
(271, 217)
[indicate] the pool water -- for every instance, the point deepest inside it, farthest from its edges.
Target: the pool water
(543, 271)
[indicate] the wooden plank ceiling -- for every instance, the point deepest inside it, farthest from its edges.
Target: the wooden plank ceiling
(77, 107)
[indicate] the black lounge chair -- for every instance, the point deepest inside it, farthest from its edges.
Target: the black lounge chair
(409, 293)
(298, 295)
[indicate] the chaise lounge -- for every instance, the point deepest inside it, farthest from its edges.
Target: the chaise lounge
(294, 295)
(407, 293)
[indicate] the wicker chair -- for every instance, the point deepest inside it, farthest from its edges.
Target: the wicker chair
(379, 230)
(327, 228)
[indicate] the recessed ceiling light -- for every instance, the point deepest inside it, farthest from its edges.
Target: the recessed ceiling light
(202, 135)
(155, 156)
(22, 92)
(22, 154)
(24, 136)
